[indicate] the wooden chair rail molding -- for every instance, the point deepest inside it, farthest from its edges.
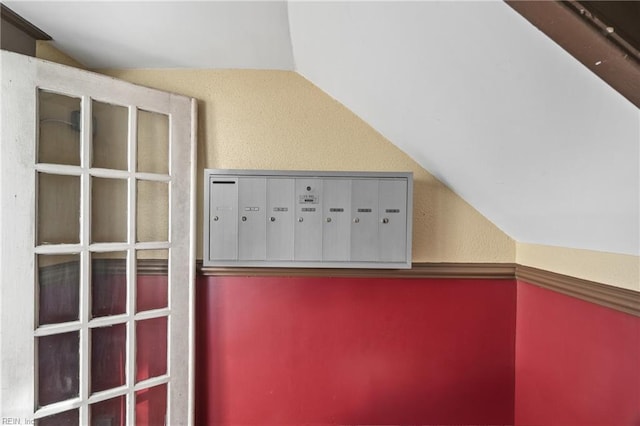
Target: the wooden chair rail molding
(418, 270)
(620, 299)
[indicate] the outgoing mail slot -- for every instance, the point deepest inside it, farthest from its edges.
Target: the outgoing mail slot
(223, 224)
(308, 222)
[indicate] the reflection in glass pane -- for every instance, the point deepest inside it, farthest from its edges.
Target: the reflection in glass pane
(151, 279)
(151, 406)
(108, 210)
(153, 142)
(59, 132)
(152, 216)
(66, 418)
(110, 136)
(111, 412)
(58, 209)
(58, 288)
(108, 357)
(58, 367)
(151, 345)
(108, 283)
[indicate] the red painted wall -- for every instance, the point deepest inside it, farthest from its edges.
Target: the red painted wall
(355, 351)
(576, 363)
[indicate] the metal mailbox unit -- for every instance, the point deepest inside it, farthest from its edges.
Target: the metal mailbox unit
(264, 218)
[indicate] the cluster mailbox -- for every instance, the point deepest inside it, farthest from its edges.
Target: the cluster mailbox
(307, 219)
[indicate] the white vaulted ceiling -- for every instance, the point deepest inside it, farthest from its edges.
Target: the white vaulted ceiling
(472, 91)
(166, 34)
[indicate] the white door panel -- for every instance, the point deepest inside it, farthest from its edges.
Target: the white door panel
(96, 248)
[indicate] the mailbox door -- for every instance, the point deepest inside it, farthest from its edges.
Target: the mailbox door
(280, 214)
(393, 220)
(223, 220)
(252, 225)
(308, 221)
(336, 206)
(364, 224)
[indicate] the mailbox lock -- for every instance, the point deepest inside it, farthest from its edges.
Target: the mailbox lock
(215, 218)
(385, 220)
(300, 219)
(356, 220)
(308, 188)
(328, 219)
(244, 218)
(272, 219)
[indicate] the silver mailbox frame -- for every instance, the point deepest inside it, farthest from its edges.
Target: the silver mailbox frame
(210, 174)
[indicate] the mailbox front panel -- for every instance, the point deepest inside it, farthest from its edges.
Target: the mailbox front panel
(308, 219)
(336, 232)
(392, 219)
(223, 224)
(308, 224)
(364, 227)
(280, 215)
(252, 224)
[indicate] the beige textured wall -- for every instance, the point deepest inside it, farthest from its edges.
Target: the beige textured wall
(278, 120)
(46, 50)
(619, 270)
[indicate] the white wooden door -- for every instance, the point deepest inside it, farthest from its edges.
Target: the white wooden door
(96, 249)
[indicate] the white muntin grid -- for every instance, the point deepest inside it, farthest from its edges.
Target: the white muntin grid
(86, 248)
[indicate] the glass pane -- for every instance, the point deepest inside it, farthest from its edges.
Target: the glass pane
(151, 348)
(59, 135)
(108, 210)
(58, 367)
(153, 211)
(151, 406)
(111, 412)
(153, 142)
(108, 357)
(58, 288)
(152, 279)
(108, 283)
(111, 127)
(58, 209)
(66, 418)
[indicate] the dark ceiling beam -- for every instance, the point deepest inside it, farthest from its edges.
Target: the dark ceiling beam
(17, 34)
(22, 24)
(590, 42)
(616, 20)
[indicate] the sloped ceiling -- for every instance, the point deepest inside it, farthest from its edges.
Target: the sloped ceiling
(166, 34)
(473, 92)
